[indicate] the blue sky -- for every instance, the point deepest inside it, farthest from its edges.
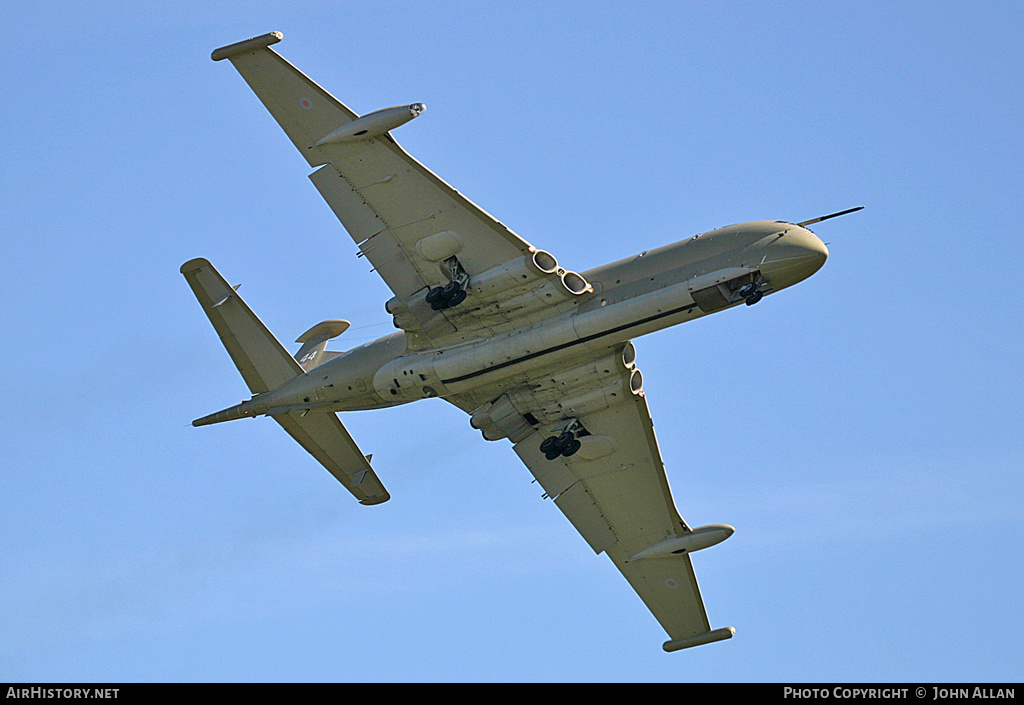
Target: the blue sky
(862, 430)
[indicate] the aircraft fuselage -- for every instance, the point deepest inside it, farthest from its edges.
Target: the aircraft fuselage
(635, 296)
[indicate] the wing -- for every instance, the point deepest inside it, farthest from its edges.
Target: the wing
(417, 231)
(612, 487)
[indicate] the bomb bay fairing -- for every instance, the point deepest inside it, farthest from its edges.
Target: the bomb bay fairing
(534, 353)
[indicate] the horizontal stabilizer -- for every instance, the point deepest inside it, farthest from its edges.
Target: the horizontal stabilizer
(259, 357)
(323, 435)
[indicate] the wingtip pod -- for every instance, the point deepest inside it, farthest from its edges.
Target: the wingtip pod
(699, 640)
(260, 42)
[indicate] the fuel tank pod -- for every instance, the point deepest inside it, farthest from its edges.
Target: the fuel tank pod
(373, 124)
(701, 537)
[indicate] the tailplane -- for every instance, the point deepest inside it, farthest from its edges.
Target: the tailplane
(265, 366)
(259, 357)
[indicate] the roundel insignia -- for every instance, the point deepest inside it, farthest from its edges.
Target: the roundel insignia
(671, 583)
(306, 103)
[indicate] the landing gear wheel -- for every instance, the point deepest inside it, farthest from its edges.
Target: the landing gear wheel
(571, 449)
(747, 289)
(457, 298)
(548, 444)
(563, 441)
(552, 454)
(439, 305)
(434, 295)
(450, 288)
(754, 298)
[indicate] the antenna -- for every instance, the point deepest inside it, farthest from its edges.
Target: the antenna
(831, 215)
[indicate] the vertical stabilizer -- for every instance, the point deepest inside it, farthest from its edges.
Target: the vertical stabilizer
(314, 342)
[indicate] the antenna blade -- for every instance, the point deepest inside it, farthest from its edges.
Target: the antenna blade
(831, 215)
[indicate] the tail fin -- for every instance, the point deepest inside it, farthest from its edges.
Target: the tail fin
(314, 342)
(266, 365)
(259, 357)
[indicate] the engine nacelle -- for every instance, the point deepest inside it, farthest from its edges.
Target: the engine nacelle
(373, 124)
(623, 358)
(603, 396)
(500, 419)
(514, 274)
(566, 286)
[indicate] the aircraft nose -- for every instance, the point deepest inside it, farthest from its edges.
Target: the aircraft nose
(818, 247)
(816, 251)
(793, 256)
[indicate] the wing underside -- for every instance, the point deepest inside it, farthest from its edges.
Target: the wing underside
(614, 492)
(416, 230)
(612, 487)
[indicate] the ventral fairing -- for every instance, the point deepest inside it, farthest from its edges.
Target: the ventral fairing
(537, 355)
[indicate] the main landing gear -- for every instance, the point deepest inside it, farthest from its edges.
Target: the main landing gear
(447, 296)
(564, 444)
(454, 292)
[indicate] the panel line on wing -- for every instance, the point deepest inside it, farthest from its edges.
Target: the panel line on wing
(413, 222)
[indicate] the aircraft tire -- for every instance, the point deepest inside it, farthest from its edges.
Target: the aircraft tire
(548, 444)
(563, 441)
(457, 298)
(572, 448)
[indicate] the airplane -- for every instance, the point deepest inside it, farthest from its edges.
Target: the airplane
(534, 353)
